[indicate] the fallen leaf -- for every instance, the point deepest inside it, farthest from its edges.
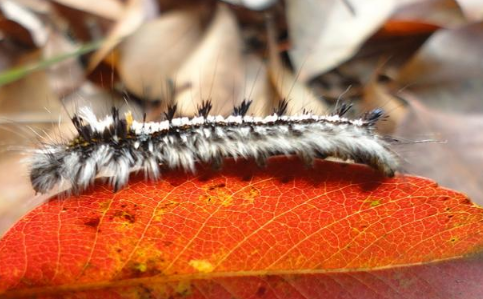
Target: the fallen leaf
(31, 91)
(448, 55)
(285, 231)
(15, 187)
(109, 9)
(16, 194)
(445, 13)
(27, 107)
(154, 53)
(380, 57)
(257, 87)
(66, 75)
(32, 66)
(37, 31)
(447, 73)
(82, 26)
(37, 6)
(376, 96)
(25, 127)
(327, 33)
(456, 160)
(289, 87)
(473, 9)
(214, 71)
(135, 13)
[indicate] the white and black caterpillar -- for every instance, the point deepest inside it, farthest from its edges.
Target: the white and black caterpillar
(115, 146)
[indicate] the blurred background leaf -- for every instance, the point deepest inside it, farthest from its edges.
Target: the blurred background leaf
(419, 60)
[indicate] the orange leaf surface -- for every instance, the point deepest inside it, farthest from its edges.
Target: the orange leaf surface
(333, 231)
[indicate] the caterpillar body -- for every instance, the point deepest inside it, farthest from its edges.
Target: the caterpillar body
(117, 145)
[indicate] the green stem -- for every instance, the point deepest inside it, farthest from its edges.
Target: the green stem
(17, 73)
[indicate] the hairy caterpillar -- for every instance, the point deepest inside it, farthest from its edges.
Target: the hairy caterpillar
(116, 146)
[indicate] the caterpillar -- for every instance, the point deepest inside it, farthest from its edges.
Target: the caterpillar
(116, 145)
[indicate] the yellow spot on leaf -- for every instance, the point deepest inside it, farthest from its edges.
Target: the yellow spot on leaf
(218, 195)
(103, 206)
(183, 288)
(202, 266)
(250, 195)
(141, 267)
(375, 203)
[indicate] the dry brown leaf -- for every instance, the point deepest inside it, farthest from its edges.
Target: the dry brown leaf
(473, 9)
(464, 96)
(135, 13)
(18, 134)
(153, 54)
(448, 55)
(67, 75)
(37, 6)
(9, 54)
(377, 96)
(31, 93)
(447, 72)
(215, 69)
(445, 13)
(16, 197)
(327, 33)
(16, 13)
(27, 107)
(17, 139)
(16, 194)
(289, 86)
(257, 87)
(108, 9)
(100, 100)
(457, 161)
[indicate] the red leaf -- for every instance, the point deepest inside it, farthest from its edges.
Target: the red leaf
(334, 231)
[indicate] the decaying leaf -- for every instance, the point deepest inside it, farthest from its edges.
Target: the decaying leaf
(257, 87)
(153, 55)
(214, 71)
(327, 33)
(22, 24)
(135, 12)
(64, 76)
(445, 13)
(441, 60)
(31, 93)
(447, 72)
(27, 107)
(110, 9)
(377, 96)
(455, 161)
(473, 9)
(288, 86)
